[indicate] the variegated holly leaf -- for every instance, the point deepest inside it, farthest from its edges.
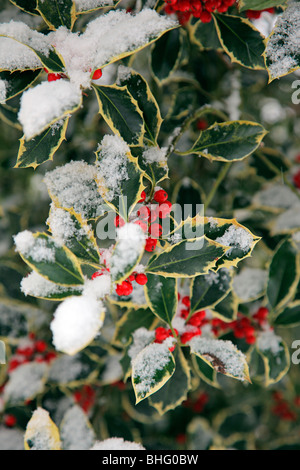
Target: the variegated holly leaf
(41, 432)
(42, 147)
(275, 354)
(166, 54)
(223, 356)
(85, 6)
(151, 369)
(188, 258)
(13, 83)
(38, 286)
(32, 376)
(29, 6)
(205, 371)
(130, 321)
(57, 14)
(209, 289)
(240, 40)
(258, 4)
(227, 308)
(83, 436)
(228, 141)
(175, 391)
(161, 295)
(53, 261)
(290, 316)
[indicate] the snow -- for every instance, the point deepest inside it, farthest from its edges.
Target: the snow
(75, 431)
(155, 155)
(85, 5)
(63, 227)
(65, 369)
(140, 339)
(250, 283)
(231, 359)
(34, 248)
(153, 358)
(236, 237)
(288, 220)
(25, 382)
(11, 439)
(267, 340)
(76, 322)
(98, 287)
(45, 103)
(130, 244)
(116, 443)
(3, 90)
(276, 195)
(112, 166)
(38, 286)
(283, 45)
(74, 186)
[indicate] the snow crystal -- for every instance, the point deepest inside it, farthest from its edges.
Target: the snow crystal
(65, 369)
(250, 283)
(283, 45)
(75, 431)
(76, 322)
(130, 244)
(74, 186)
(63, 227)
(25, 382)
(85, 5)
(34, 248)
(140, 339)
(152, 358)
(45, 103)
(40, 431)
(112, 166)
(267, 340)
(38, 286)
(23, 34)
(3, 90)
(155, 155)
(232, 361)
(236, 237)
(98, 287)
(116, 443)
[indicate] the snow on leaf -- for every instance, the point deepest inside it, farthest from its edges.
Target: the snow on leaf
(75, 430)
(41, 432)
(25, 382)
(76, 323)
(116, 443)
(222, 355)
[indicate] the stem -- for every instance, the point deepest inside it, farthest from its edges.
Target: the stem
(218, 181)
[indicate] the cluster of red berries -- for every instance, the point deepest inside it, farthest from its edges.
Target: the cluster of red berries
(126, 287)
(201, 9)
(296, 179)
(85, 397)
(33, 350)
(255, 14)
(243, 327)
(148, 216)
(52, 77)
(282, 408)
(198, 404)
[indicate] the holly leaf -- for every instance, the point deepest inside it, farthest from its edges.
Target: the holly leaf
(258, 4)
(56, 13)
(161, 294)
(275, 355)
(208, 290)
(18, 81)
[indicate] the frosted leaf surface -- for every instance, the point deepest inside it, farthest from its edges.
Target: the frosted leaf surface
(25, 382)
(75, 431)
(250, 283)
(37, 286)
(116, 443)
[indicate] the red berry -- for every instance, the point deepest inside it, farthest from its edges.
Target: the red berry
(251, 339)
(40, 346)
(160, 196)
(143, 212)
(161, 334)
(119, 222)
(125, 288)
(141, 279)
(155, 230)
(164, 209)
(143, 197)
(142, 224)
(197, 318)
(150, 244)
(52, 77)
(296, 179)
(202, 124)
(186, 301)
(10, 420)
(97, 74)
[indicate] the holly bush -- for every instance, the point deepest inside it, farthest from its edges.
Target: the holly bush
(149, 217)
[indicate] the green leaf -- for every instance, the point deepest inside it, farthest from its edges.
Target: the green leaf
(42, 147)
(223, 356)
(54, 262)
(227, 309)
(228, 141)
(29, 6)
(57, 13)
(18, 81)
(290, 316)
(151, 369)
(131, 321)
(208, 290)
(165, 55)
(187, 258)
(161, 295)
(205, 371)
(284, 274)
(175, 391)
(259, 4)
(140, 91)
(79, 237)
(240, 40)
(205, 35)
(33, 376)
(275, 355)
(250, 284)
(155, 171)
(121, 113)
(9, 115)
